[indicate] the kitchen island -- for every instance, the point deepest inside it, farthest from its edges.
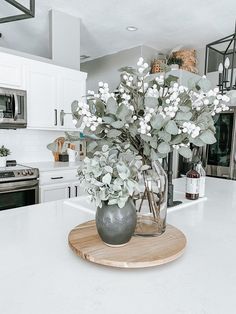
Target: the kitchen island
(39, 274)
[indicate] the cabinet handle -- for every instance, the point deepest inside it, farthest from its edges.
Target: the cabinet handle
(62, 114)
(55, 121)
(69, 190)
(56, 178)
(76, 190)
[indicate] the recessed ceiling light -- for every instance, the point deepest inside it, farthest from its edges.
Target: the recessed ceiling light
(131, 28)
(83, 57)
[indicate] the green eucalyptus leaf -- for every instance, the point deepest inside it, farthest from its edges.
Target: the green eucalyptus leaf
(118, 124)
(128, 70)
(157, 122)
(154, 155)
(122, 112)
(170, 79)
(164, 136)
(204, 84)
(91, 146)
(178, 139)
(153, 142)
(171, 128)
(150, 78)
(185, 152)
(108, 119)
(197, 141)
(107, 179)
(113, 133)
(151, 102)
(133, 129)
(208, 137)
(183, 116)
(100, 108)
(74, 106)
(111, 106)
(185, 108)
(146, 149)
(87, 131)
(163, 148)
(145, 137)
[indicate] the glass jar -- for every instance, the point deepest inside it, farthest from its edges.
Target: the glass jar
(151, 202)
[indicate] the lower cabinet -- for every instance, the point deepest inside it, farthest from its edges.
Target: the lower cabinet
(58, 185)
(60, 191)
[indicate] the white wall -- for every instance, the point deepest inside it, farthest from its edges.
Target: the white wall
(106, 68)
(28, 145)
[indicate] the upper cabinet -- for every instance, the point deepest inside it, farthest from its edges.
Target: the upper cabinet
(12, 71)
(50, 90)
(72, 86)
(42, 95)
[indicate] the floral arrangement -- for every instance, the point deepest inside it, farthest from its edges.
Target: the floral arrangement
(4, 152)
(111, 175)
(151, 113)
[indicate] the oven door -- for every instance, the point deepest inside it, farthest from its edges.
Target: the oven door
(17, 194)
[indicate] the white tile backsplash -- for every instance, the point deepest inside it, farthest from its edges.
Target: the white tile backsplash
(28, 145)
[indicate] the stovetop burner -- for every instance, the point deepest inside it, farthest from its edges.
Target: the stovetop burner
(17, 173)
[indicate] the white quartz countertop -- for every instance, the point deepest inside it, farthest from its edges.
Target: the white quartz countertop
(39, 274)
(52, 165)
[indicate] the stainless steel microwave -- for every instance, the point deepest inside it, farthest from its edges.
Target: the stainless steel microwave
(13, 108)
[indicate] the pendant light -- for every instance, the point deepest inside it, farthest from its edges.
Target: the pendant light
(226, 49)
(25, 13)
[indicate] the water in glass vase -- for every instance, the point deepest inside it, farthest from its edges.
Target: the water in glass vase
(151, 202)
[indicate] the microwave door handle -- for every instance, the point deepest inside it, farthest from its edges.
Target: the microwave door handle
(16, 106)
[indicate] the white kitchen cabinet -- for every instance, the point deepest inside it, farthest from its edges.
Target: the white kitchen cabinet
(72, 86)
(55, 192)
(57, 185)
(42, 95)
(51, 90)
(12, 71)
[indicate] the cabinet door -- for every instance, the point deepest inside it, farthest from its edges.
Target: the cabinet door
(72, 86)
(54, 193)
(77, 190)
(12, 71)
(42, 96)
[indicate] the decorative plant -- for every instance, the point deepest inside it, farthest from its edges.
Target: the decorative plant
(150, 112)
(111, 175)
(4, 152)
(174, 60)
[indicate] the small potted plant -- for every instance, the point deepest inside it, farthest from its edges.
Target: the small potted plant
(174, 63)
(110, 177)
(4, 152)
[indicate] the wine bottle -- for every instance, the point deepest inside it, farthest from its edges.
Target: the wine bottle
(192, 184)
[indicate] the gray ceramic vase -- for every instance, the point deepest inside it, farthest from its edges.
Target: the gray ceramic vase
(116, 225)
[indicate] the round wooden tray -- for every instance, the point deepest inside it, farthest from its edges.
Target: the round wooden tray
(138, 253)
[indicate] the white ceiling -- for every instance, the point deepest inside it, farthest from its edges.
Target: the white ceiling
(161, 24)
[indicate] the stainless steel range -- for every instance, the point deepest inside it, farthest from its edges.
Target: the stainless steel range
(19, 186)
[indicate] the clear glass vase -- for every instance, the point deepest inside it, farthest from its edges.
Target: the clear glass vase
(151, 202)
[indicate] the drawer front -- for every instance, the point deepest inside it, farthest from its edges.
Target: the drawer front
(55, 177)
